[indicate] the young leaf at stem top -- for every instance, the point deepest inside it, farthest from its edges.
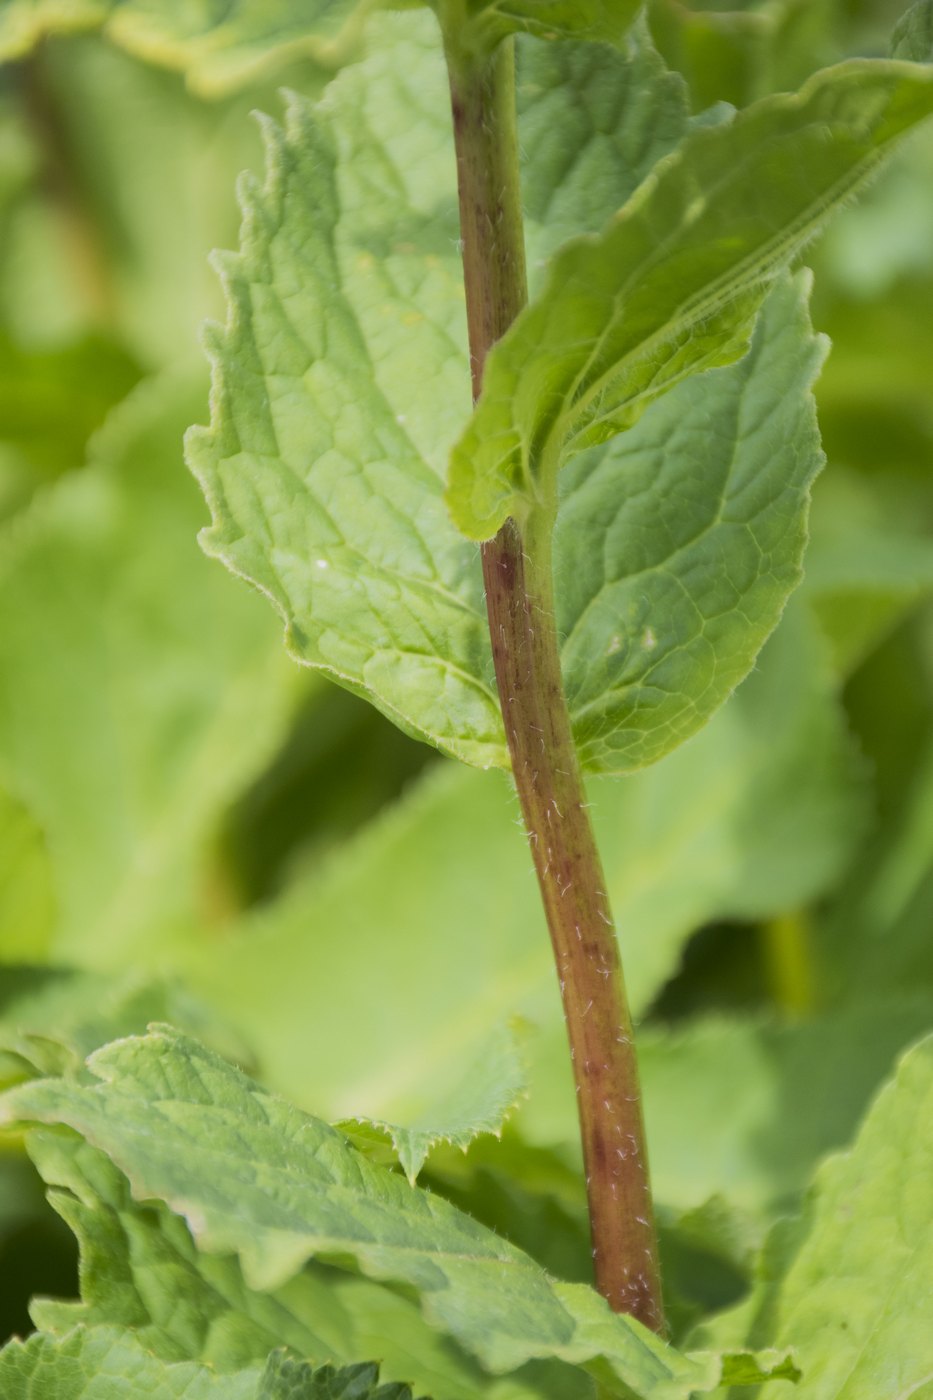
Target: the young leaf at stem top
(672, 285)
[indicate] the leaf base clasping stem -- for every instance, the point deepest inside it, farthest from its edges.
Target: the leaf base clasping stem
(517, 573)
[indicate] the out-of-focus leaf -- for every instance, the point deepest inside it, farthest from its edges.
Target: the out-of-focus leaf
(743, 1109)
(874, 938)
(913, 34)
(27, 893)
(119, 217)
(870, 558)
(139, 690)
(218, 46)
(757, 814)
(850, 1280)
(743, 52)
(50, 403)
(593, 21)
(478, 1101)
(256, 1177)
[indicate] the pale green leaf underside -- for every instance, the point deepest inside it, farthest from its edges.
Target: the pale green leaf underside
(478, 1100)
(672, 284)
(255, 1177)
(342, 377)
(218, 45)
(106, 1363)
(868, 1218)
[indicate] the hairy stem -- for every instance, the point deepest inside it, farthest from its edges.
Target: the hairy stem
(517, 572)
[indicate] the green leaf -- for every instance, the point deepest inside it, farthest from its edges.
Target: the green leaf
(874, 936)
(669, 581)
(759, 813)
(375, 587)
(339, 293)
(217, 46)
(760, 1153)
(672, 285)
(850, 1281)
(124, 762)
(141, 1269)
(104, 1363)
(913, 34)
(255, 1177)
(478, 1101)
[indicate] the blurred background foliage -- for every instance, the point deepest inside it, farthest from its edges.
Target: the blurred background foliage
(192, 829)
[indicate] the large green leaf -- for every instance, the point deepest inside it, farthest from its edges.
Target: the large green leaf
(338, 382)
(756, 815)
(850, 1281)
(105, 1363)
(255, 1177)
(217, 45)
(141, 1270)
(338, 516)
(669, 580)
(672, 285)
(156, 693)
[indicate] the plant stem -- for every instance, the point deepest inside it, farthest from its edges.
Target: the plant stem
(517, 573)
